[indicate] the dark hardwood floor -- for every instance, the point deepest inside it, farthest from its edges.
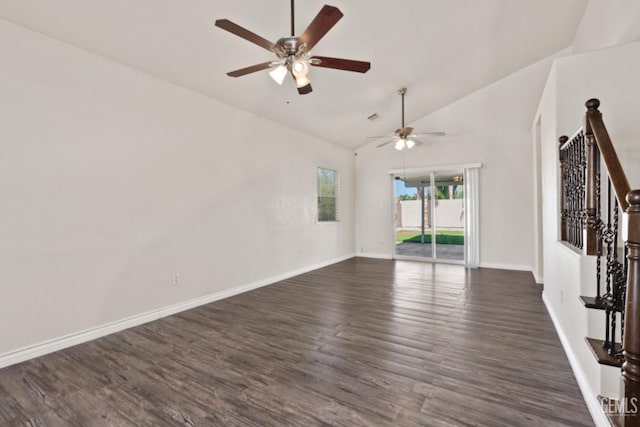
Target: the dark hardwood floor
(361, 342)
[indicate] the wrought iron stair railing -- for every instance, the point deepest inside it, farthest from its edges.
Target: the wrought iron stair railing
(593, 199)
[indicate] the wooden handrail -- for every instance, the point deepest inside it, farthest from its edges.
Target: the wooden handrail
(595, 126)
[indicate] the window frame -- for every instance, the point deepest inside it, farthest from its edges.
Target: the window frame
(334, 215)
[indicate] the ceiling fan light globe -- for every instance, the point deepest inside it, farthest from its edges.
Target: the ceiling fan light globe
(399, 144)
(299, 67)
(302, 81)
(300, 70)
(278, 74)
(410, 143)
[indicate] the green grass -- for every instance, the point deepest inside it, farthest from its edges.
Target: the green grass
(445, 237)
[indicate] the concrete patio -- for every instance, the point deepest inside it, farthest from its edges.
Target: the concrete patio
(449, 252)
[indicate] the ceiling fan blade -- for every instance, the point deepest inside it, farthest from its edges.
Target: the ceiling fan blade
(239, 31)
(340, 64)
(429, 133)
(321, 24)
(406, 131)
(379, 136)
(251, 69)
(385, 143)
(417, 142)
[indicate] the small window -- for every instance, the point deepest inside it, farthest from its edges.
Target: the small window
(328, 195)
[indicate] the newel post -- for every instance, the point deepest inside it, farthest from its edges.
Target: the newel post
(593, 174)
(563, 213)
(631, 365)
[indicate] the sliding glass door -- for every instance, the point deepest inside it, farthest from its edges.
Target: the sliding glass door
(432, 216)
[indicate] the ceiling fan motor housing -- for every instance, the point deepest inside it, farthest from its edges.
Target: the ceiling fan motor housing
(289, 46)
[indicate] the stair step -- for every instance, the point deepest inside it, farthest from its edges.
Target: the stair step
(593, 302)
(602, 355)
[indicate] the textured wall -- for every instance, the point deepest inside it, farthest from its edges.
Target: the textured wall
(114, 181)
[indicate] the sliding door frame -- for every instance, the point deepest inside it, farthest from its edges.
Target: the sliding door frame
(471, 212)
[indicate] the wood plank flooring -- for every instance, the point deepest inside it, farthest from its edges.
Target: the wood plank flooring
(360, 343)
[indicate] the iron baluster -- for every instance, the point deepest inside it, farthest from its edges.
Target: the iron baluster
(598, 228)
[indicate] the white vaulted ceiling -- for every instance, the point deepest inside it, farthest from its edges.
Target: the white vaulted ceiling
(441, 50)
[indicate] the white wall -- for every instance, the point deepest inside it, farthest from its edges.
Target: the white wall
(610, 75)
(491, 126)
(113, 181)
(608, 23)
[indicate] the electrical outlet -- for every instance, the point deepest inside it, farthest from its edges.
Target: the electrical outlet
(175, 280)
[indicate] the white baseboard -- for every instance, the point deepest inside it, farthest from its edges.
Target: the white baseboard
(505, 266)
(595, 409)
(482, 265)
(372, 255)
(49, 346)
(539, 279)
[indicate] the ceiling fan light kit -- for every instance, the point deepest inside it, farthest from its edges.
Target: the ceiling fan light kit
(401, 144)
(293, 52)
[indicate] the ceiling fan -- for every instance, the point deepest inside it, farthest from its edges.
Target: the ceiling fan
(293, 52)
(404, 137)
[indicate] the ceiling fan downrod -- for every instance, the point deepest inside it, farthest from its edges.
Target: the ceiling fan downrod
(293, 27)
(402, 92)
